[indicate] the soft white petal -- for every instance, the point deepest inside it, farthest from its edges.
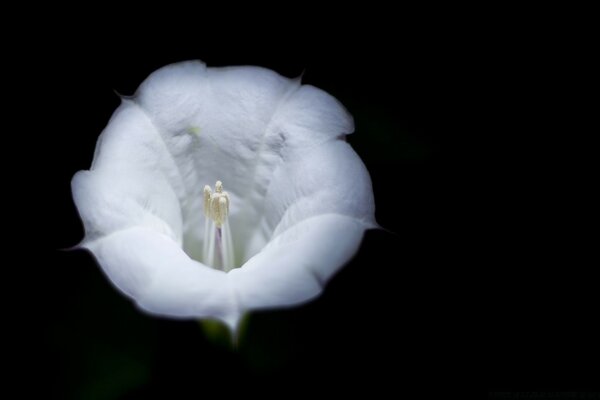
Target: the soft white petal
(311, 116)
(152, 269)
(295, 266)
(112, 202)
(132, 181)
(330, 178)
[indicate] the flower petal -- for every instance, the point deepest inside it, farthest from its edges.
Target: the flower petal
(326, 179)
(112, 202)
(132, 180)
(295, 266)
(311, 116)
(317, 207)
(152, 269)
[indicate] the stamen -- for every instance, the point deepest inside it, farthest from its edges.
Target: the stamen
(218, 245)
(207, 193)
(219, 207)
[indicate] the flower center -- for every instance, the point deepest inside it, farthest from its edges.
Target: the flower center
(218, 245)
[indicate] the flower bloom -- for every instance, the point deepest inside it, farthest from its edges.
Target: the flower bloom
(215, 191)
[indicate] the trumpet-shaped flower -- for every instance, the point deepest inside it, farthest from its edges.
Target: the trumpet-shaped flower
(215, 191)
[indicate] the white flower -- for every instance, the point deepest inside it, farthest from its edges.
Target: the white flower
(297, 204)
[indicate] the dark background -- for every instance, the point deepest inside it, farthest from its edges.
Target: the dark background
(452, 300)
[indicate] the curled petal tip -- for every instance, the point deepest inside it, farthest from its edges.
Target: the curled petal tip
(124, 98)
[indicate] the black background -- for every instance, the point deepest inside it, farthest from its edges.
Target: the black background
(442, 304)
